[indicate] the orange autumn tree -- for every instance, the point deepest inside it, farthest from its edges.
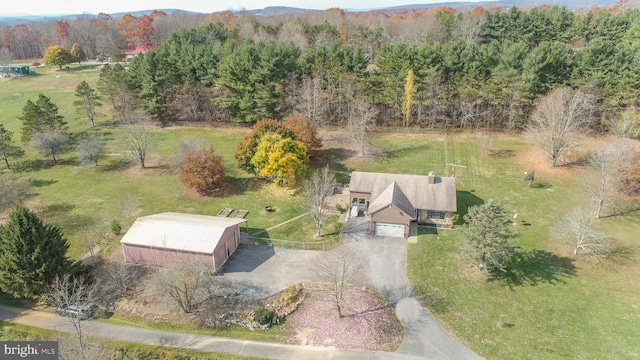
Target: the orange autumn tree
(128, 29)
(202, 170)
(304, 132)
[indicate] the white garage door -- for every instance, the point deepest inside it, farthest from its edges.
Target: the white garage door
(388, 229)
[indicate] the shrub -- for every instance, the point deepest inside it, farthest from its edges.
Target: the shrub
(262, 316)
(116, 228)
(202, 170)
(35, 63)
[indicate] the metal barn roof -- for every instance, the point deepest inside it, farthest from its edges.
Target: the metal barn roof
(177, 231)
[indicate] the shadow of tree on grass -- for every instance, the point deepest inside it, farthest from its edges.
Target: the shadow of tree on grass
(541, 185)
(535, 267)
(41, 182)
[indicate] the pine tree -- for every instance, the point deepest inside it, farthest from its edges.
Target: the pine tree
(7, 148)
(40, 116)
(486, 236)
(87, 100)
(31, 254)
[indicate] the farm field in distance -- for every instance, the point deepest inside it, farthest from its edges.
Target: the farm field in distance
(556, 305)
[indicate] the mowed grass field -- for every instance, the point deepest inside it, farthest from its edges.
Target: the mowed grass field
(554, 306)
(81, 198)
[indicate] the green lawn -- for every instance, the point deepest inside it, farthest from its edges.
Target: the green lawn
(80, 198)
(113, 349)
(553, 306)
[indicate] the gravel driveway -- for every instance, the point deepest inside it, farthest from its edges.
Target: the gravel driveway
(259, 271)
(262, 271)
(424, 337)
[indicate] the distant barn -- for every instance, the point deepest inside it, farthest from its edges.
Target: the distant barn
(166, 237)
(141, 49)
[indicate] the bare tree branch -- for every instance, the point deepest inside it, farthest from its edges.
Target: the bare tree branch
(604, 173)
(558, 121)
(68, 291)
(361, 116)
(317, 192)
(186, 282)
(585, 240)
(337, 270)
(138, 139)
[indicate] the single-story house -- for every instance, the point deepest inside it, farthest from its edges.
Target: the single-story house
(162, 238)
(393, 201)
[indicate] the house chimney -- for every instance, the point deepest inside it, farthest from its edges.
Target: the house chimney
(431, 179)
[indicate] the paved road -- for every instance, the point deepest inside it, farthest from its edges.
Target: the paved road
(198, 342)
(263, 271)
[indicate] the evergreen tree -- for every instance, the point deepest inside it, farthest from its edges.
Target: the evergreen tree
(486, 236)
(39, 117)
(87, 100)
(7, 148)
(31, 254)
(549, 65)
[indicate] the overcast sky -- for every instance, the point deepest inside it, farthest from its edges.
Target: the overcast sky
(52, 7)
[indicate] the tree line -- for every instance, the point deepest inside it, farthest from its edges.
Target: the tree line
(480, 69)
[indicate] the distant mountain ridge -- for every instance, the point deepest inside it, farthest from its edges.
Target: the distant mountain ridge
(284, 10)
(24, 18)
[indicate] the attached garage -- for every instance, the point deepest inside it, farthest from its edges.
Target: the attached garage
(394, 201)
(391, 213)
(167, 237)
(389, 229)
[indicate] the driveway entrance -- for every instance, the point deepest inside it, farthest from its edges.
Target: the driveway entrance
(424, 337)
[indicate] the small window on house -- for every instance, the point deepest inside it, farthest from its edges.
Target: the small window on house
(436, 215)
(354, 200)
(361, 201)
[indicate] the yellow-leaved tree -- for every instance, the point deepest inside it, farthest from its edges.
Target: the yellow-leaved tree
(282, 159)
(58, 55)
(408, 98)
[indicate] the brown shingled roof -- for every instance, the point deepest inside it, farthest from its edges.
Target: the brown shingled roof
(439, 196)
(392, 195)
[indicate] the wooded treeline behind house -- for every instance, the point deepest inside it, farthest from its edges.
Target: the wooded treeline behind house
(485, 68)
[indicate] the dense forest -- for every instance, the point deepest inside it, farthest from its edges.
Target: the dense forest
(485, 68)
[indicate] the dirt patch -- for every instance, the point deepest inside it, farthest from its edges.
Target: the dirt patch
(538, 160)
(367, 323)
